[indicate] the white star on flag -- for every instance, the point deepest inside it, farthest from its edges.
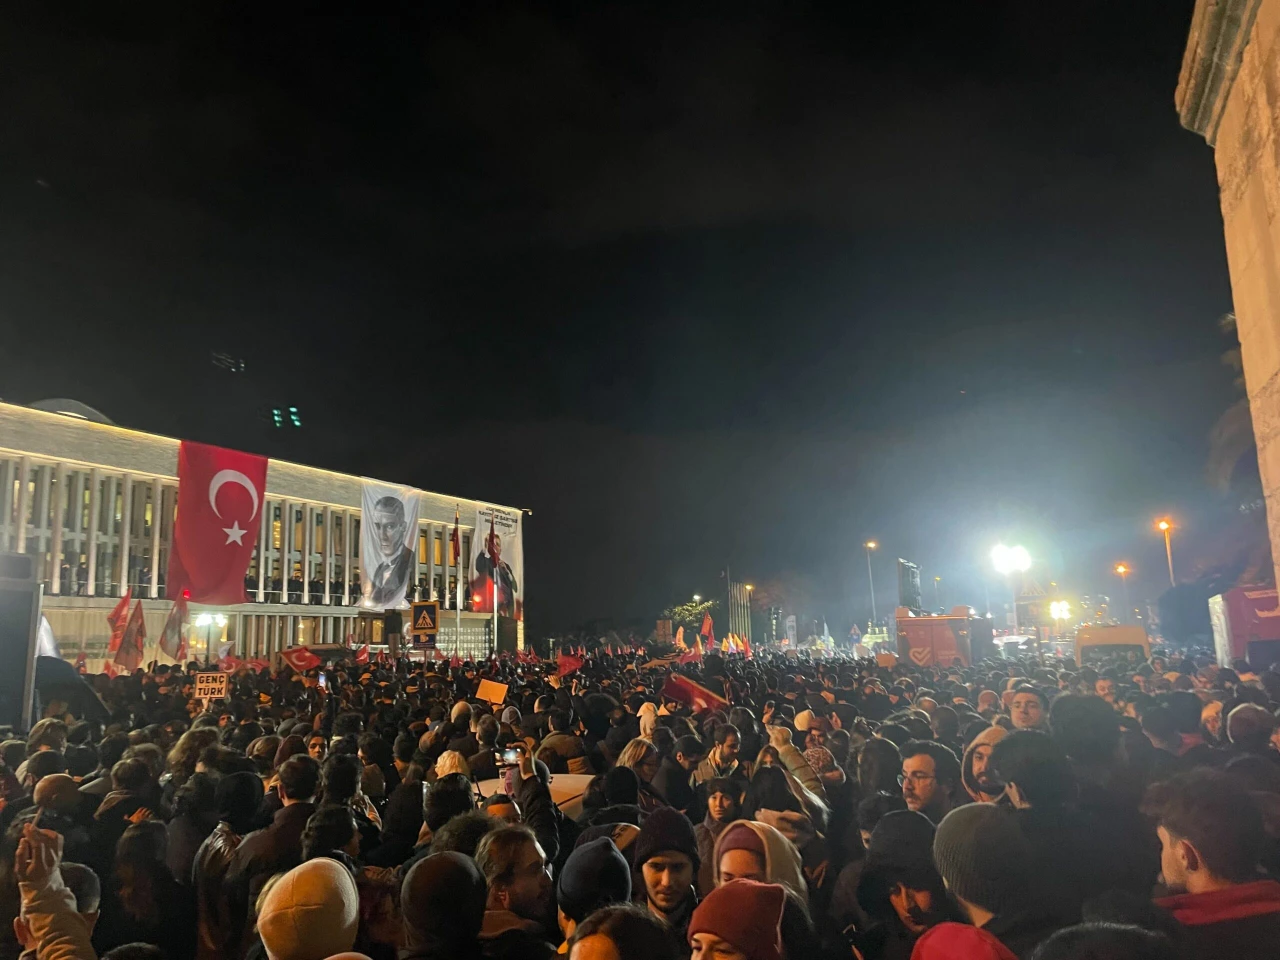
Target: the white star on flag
(234, 533)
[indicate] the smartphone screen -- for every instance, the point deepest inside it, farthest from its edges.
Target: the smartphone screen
(322, 681)
(511, 755)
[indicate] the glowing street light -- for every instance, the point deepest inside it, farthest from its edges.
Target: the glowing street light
(1165, 525)
(696, 598)
(1123, 571)
(1008, 561)
(937, 602)
(869, 546)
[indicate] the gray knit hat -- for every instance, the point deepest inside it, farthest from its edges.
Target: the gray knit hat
(984, 858)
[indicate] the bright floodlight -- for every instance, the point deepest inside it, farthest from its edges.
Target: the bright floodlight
(870, 544)
(1060, 610)
(1006, 560)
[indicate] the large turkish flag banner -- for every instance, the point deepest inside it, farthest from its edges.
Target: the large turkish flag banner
(220, 495)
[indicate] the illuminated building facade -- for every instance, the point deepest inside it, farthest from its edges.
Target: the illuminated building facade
(94, 503)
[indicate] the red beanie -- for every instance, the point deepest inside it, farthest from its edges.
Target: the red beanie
(739, 836)
(746, 914)
(947, 941)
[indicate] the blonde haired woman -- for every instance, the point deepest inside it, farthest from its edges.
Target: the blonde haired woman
(641, 757)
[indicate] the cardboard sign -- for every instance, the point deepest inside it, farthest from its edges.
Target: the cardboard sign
(491, 692)
(211, 686)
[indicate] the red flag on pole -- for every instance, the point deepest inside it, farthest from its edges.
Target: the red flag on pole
(118, 618)
(257, 666)
(173, 638)
(300, 658)
(362, 655)
(566, 664)
(708, 630)
(220, 495)
(683, 690)
(129, 656)
(230, 664)
(109, 669)
(746, 648)
(455, 662)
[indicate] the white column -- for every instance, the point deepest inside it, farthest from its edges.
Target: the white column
(55, 538)
(24, 498)
(264, 548)
(431, 561)
(76, 506)
(157, 517)
(286, 548)
(40, 515)
(95, 508)
(347, 527)
(327, 565)
(417, 562)
(6, 501)
(126, 519)
(308, 543)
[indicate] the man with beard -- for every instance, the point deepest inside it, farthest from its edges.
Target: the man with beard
(900, 889)
(519, 899)
(976, 772)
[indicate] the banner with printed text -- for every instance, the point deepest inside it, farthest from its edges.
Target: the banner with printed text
(388, 539)
(496, 544)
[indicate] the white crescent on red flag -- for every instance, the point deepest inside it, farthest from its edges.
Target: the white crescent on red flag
(362, 655)
(220, 501)
(300, 658)
(683, 690)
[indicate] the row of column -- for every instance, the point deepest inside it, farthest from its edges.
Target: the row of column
(98, 532)
(101, 532)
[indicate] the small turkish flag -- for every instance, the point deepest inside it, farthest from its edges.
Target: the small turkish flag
(362, 655)
(173, 638)
(566, 664)
(300, 658)
(230, 664)
(683, 690)
(117, 618)
(220, 495)
(132, 644)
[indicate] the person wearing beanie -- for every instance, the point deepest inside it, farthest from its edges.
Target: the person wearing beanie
(987, 866)
(310, 913)
(442, 903)
(666, 861)
(595, 875)
(975, 768)
(741, 920)
(750, 850)
(724, 800)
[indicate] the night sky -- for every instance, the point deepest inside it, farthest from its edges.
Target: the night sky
(699, 284)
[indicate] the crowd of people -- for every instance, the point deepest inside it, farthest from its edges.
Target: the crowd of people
(811, 810)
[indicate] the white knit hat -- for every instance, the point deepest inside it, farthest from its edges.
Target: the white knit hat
(311, 913)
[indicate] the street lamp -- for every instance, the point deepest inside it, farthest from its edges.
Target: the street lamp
(696, 598)
(936, 601)
(748, 587)
(1008, 561)
(1123, 571)
(1164, 525)
(869, 546)
(1059, 610)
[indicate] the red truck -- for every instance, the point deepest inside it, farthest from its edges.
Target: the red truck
(1246, 625)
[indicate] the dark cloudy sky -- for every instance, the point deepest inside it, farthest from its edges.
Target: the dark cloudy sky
(698, 283)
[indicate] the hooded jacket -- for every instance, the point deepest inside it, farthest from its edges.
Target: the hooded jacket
(987, 738)
(782, 863)
(1240, 922)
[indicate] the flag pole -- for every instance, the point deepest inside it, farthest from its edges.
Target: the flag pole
(457, 597)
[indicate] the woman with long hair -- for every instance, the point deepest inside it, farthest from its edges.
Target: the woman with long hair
(143, 902)
(641, 757)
